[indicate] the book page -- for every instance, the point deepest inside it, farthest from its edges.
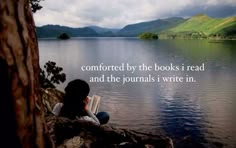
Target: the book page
(94, 102)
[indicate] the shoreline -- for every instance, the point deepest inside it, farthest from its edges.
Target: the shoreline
(160, 38)
(65, 132)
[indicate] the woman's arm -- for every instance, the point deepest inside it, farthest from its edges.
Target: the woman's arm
(90, 114)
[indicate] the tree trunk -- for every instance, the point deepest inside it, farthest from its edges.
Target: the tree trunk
(22, 123)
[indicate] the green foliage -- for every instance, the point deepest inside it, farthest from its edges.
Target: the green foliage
(50, 75)
(202, 26)
(63, 36)
(148, 36)
(35, 5)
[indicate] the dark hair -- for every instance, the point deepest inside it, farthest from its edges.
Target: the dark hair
(75, 93)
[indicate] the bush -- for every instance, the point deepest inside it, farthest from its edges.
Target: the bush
(50, 75)
(148, 36)
(63, 36)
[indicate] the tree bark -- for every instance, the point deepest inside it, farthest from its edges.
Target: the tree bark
(22, 123)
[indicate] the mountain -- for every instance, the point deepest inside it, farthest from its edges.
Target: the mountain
(203, 26)
(52, 31)
(155, 26)
(131, 30)
(103, 30)
(198, 26)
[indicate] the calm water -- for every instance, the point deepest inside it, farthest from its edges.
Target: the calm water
(200, 114)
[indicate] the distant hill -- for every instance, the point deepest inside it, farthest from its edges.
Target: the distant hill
(52, 31)
(155, 26)
(198, 26)
(202, 26)
(103, 30)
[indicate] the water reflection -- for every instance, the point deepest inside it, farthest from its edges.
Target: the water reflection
(200, 114)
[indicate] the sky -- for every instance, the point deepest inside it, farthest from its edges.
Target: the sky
(119, 13)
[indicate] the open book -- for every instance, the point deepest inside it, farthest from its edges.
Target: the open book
(94, 103)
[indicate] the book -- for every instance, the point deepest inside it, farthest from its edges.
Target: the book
(94, 103)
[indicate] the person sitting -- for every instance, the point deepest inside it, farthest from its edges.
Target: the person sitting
(75, 104)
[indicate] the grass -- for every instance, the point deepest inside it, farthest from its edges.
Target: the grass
(204, 26)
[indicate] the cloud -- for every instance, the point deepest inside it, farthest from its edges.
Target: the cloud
(118, 13)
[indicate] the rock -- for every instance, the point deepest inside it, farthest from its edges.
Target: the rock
(50, 97)
(74, 142)
(79, 133)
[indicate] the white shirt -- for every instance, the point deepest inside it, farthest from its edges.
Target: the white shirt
(57, 108)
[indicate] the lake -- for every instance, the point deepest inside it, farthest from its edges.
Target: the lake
(195, 114)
